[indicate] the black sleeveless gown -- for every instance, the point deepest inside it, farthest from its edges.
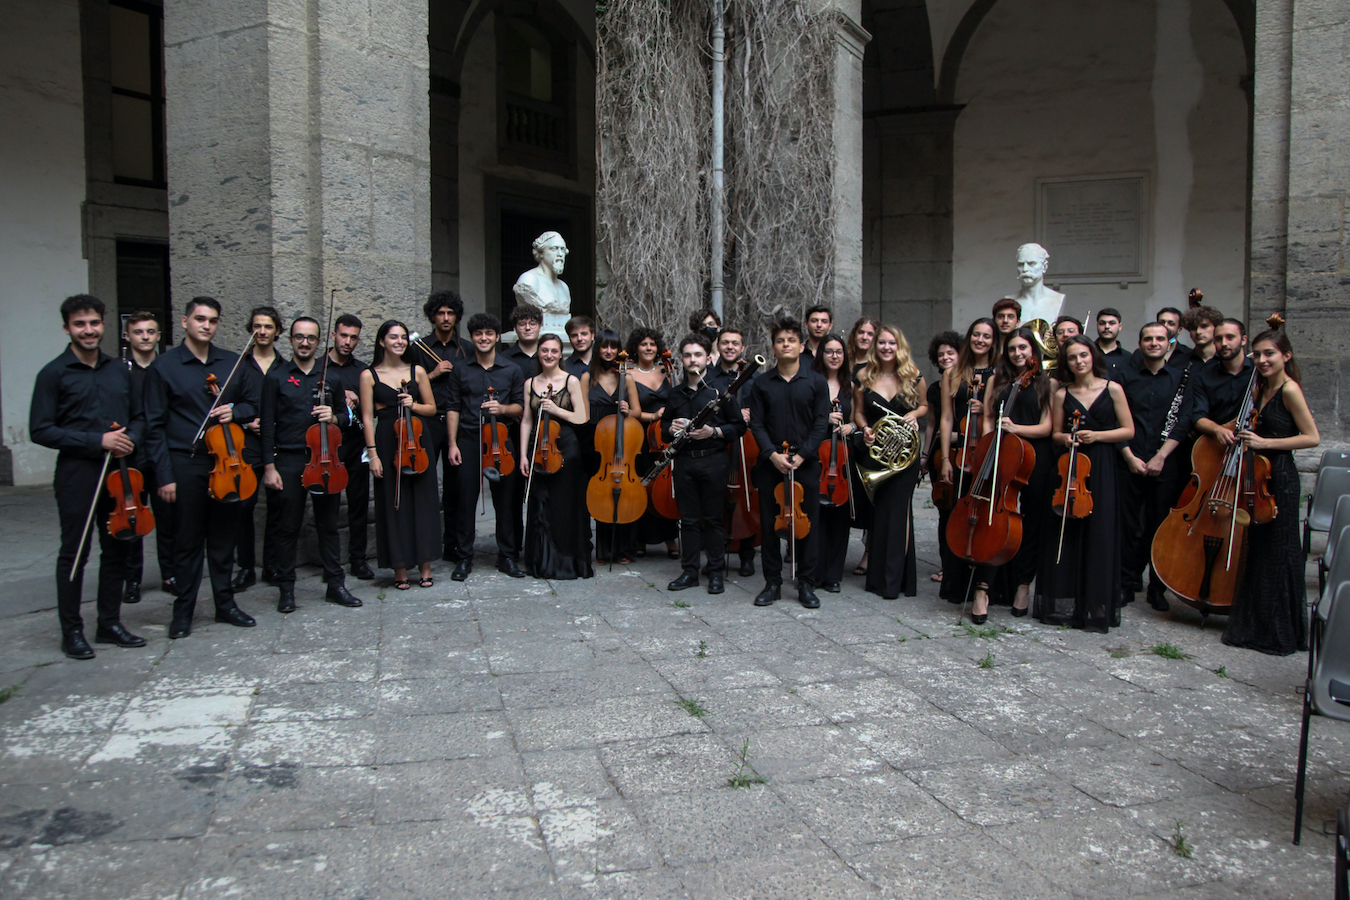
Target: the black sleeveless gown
(410, 535)
(890, 542)
(1083, 590)
(557, 533)
(956, 572)
(1268, 612)
(624, 543)
(1033, 504)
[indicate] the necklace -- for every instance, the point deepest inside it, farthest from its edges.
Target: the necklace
(646, 371)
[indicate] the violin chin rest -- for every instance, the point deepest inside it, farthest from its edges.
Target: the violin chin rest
(492, 475)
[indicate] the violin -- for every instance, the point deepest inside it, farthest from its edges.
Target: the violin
(410, 458)
(968, 430)
(1072, 498)
(791, 521)
(494, 457)
(131, 516)
(547, 457)
(324, 473)
(615, 494)
(985, 525)
(744, 499)
(231, 478)
(834, 480)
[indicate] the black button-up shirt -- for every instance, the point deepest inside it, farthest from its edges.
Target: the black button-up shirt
(520, 359)
(74, 405)
(1150, 397)
(1219, 396)
(349, 374)
(796, 411)
(576, 365)
(288, 396)
(456, 351)
(1115, 361)
(686, 402)
(251, 376)
(176, 401)
(721, 379)
(1181, 355)
(469, 391)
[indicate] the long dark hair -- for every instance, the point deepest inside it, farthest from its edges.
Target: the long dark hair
(379, 341)
(964, 370)
(845, 371)
(1062, 371)
(1281, 342)
(1007, 373)
(603, 338)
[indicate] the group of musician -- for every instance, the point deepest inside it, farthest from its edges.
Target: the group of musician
(1054, 458)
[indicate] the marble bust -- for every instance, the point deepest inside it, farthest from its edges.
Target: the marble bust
(543, 285)
(1038, 301)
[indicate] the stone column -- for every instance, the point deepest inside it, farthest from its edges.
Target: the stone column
(299, 154)
(1301, 193)
(850, 39)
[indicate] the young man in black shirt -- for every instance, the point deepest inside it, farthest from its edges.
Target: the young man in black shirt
(1178, 354)
(730, 348)
(291, 403)
(1224, 382)
(176, 401)
(469, 407)
(345, 368)
(819, 323)
(265, 324)
(527, 320)
(581, 335)
(1154, 466)
(443, 309)
(789, 403)
(1108, 341)
(142, 340)
(700, 467)
(77, 398)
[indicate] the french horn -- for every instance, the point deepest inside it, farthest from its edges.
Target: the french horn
(1043, 333)
(895, 449)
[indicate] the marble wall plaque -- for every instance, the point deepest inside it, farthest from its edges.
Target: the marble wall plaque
(1094, 228)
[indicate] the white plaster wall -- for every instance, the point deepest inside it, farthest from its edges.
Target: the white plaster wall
(1062, 88)
(43, 186)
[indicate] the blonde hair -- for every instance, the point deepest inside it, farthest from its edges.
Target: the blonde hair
(907, 374)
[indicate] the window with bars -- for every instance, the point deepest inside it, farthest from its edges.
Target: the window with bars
(136, 44)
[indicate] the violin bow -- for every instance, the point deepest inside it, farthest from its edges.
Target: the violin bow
(93, 504)
(327, 340)
(201, 429)
(1068, 485)
(529, 479)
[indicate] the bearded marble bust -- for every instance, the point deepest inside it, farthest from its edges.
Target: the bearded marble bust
(543, 286)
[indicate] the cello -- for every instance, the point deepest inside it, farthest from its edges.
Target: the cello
(615, 494)
(985, 526)
(130, 516)
(324, 473)
(791, 521)
(1072, 498)
(661, 489)
(834, 480)
(231, 479)
(742, 495)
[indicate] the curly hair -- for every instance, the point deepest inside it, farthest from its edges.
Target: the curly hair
(637, 336)
(943, 339)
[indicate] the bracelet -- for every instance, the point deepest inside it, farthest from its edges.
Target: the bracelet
(370, 447)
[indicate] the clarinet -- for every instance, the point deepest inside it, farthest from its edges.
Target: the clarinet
(1172, 411)
(701, 418)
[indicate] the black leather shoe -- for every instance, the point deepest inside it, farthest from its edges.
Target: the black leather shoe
(1158, 600)
(338, 593)
(272, 576)
(244, 580)
(170, 587)
(980, 619)
(75, 646)
(1019, 613)
(361, 570)
(132, 592)
(286, 599)
(747, 567)
(233, 615)
(832, 586)
(715, 584)
(180, 628)
(118, 634)
(462, 570)
(509, 566)
(767, 596)
(806, 596)
(684, 582)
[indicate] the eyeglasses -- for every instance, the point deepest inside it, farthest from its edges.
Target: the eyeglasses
(835, 352)
(304, 338)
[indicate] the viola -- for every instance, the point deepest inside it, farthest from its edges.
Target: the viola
(131, 516)
(744, 499)
(547, 457)
(791, 520)
(834, 480)
(985, 525)
(615, 494)
(324, 473)
(968, 430)
(494, 456)
(231, 478)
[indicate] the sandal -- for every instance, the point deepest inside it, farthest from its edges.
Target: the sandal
(860, 569)
(673, 554)
(402, 585)
(936, 576)
(426, 582)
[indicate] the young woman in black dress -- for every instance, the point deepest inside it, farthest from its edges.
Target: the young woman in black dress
(557, 533)
(832, 361)
(1083, 588)
(943, 350)
(600, 388)
(891, 384)
(1029, 419)
(1268, 612)
(963, 391)
(645, 349)
(861, 339)
(411, 534)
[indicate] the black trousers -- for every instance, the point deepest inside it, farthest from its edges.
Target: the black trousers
(700, 493)
(206, 528)
(833, 544)
(75, 484)
(358, 499)
(165, 529)
(440, 450)
(244, 535)
(1145, 501)
(468, 473)
(766, 478)
(289, 503)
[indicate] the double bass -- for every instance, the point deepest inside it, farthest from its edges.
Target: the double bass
(615, 494)
(985, 526)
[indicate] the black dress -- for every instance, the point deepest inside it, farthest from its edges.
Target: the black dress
(1268, 612)
(949, 561)
(601, 404)
(1083, 590)
(1033, 504)
(833, 520)
(557, 533)
(956, 572)
(653, 528)
(890, 543)
(410, 535)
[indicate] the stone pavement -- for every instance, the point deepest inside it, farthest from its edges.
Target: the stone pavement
(580, 740)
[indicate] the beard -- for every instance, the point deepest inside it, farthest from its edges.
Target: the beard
(557, 266)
